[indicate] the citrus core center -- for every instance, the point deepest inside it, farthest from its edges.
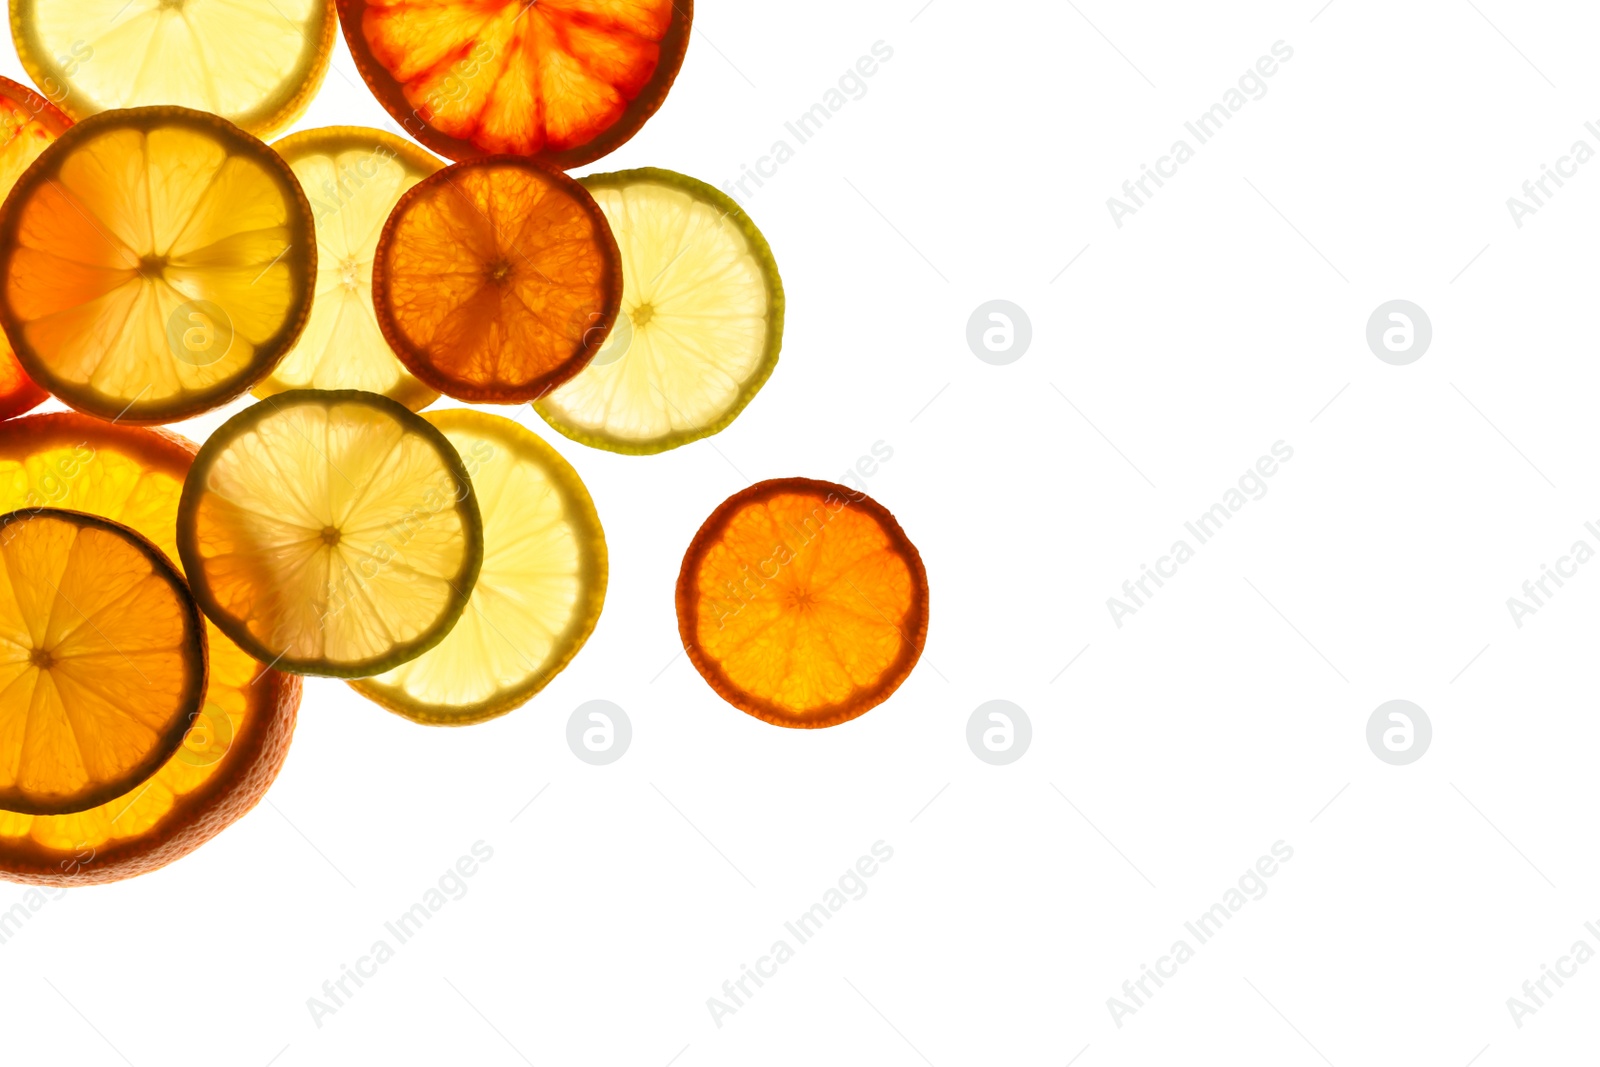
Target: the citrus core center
(330, 535)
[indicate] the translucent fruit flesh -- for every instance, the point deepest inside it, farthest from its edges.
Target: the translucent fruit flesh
(802, 602)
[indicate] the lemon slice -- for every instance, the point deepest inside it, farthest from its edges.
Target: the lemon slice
(701, 320)
(538, 596)
(330, 532)
(352, 177)
(102, 661)
(154, 263)
(257, 63)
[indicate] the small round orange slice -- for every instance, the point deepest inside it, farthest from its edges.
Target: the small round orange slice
(802, 602)
(28, 125)
(496, 280)
(563, 80)
(233, 750)
(154, 263)
(102, 660)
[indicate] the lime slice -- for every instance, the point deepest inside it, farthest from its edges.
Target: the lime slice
(257, 63)
(352, 177)
(538, 596)
(701, 320)
(330, 532)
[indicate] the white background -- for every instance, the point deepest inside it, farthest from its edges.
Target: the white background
(1228, 714)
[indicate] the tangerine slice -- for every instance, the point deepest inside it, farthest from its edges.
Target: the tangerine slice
(154, 263)
(257, 63)
(233, 750)
(102, 661)
(701, 320)
(352, 177)
(28, 125)
(538, 595)
(496, 280)
(330, 532)
(802, 602)
(563, 80)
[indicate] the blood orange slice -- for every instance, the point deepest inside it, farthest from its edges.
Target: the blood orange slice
(564, 80)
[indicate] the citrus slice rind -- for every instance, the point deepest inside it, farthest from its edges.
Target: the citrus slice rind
(700, 326)
(234, 750)
(330, 532)
(154, 263)
(102, 661)
(564, 81)
(496, 280)
(257, 63)
(538, 596)
(352, 177)
(28, 125)
(802, 602)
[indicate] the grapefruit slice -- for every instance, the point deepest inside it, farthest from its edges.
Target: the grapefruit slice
(802, 602)
(233, 750)
(496, 280)
(563, 80)
(538, 595)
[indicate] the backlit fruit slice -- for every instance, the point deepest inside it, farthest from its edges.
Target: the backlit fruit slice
(102, 661)
(538, 596)
(802, 602)
(257, 63)
(496, 280)
(330, 532)
(233, 751)
(28, 125)
(154, 263)
(352, 176)
(701, 320)
(564, 80)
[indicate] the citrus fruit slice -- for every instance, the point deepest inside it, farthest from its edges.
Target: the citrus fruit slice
(234, 749)
(102, 661)
(28, 125)
(802, 602)
(700, 325)
(330, 532)
(154, 263)
(257, 63)
(538, 595)
(496, 280)
(564, 80)
(352, 177)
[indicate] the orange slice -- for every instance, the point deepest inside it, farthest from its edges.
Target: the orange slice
(102, 661)
(233, 750)
(352, 176)
(802, 602)
(564, 80)
(28, 125)
(496, 280)
(154, 263)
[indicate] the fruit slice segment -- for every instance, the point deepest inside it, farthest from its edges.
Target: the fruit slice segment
(352, 177)
(330, 532)
(802, 602)
(28, 125)
(701, 320)
(236, 746)
(102, 661)
(538, 596)
(496, 280)
(564, 80)
(254, 62)
(154, 263)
